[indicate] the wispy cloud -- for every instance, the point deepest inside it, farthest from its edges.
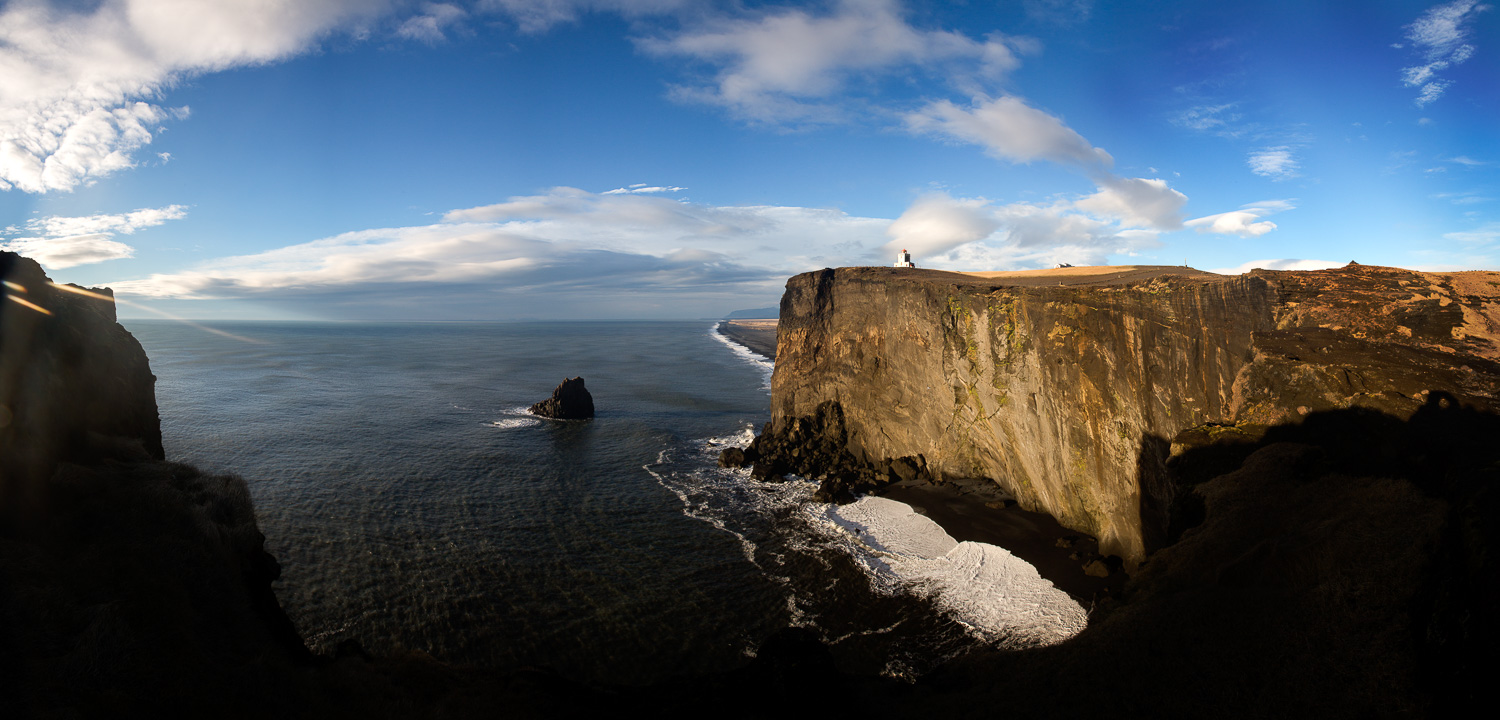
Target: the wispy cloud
(560, 252)
(63, 242)
(1485, 235)
(1209, 117)
(431, 24)
(1277, 163)
(643, 188)
(1441, 38)
(787, 64)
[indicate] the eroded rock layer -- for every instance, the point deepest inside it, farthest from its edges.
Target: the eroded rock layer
(1068, 389)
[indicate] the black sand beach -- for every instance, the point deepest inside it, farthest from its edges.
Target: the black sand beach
(757, 335)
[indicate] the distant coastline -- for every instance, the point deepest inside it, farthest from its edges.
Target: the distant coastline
(759, 336)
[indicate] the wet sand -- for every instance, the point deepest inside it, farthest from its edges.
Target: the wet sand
(978, 511)
(758, 335)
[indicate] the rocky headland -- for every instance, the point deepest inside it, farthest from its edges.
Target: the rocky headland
(1297, 469)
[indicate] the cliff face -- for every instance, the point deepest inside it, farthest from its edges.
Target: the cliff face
(1067, 390)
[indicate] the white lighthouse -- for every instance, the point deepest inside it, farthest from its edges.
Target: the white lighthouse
(903, 259)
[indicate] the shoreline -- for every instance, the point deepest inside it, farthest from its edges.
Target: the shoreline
(979, 511)
(757, 336)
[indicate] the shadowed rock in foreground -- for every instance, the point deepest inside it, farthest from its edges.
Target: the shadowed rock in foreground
(570, 401)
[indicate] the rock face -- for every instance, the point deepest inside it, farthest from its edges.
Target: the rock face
(1070, 395)
(569, 401)
(73, 383)
(125, 581)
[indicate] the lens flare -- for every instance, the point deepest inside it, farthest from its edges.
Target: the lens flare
(106, 298)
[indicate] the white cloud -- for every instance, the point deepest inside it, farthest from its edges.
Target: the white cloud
(78, 87)
(1009, 129)
(57, 253)
(126, 223)
(560, 246)
(1137, 202)
(937, 223)
(1440, 37)
(776, 67)
(640, 188)
(63, 242)
(1245, 222)
(429, 25)
(1282, 264)
(1277, 163)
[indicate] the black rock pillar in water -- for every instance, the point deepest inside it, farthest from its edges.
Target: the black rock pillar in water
(570, 401)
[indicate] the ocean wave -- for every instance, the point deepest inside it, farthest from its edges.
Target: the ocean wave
(517, 417)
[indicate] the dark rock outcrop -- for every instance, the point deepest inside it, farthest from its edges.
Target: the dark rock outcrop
(1067, 391)
(128, 584)
(569, 401)
(74, 385)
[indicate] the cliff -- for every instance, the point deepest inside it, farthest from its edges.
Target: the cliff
(1068, 388)
(127, 583)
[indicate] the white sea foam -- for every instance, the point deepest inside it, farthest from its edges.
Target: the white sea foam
(754, 358)
(998, 595)
(516, 417)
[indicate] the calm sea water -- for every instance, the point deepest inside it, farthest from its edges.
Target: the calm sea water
(413, 503)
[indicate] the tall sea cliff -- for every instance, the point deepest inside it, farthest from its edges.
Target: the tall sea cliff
(1068, 390)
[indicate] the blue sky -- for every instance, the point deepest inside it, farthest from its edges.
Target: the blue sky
(550, 159)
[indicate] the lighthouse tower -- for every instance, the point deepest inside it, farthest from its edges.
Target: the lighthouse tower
(903, 259)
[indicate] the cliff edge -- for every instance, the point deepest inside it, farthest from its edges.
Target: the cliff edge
(1069, 388)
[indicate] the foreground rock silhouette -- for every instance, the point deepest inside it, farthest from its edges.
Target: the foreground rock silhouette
(570, 401)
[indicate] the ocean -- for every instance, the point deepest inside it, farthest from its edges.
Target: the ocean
(415, 505)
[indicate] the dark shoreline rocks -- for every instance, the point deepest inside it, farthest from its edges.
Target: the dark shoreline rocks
(570, 401)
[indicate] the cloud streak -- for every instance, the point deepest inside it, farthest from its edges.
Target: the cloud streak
(559, 253)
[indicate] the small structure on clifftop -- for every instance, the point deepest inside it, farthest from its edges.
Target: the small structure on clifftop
(570, 401)
(903, 259)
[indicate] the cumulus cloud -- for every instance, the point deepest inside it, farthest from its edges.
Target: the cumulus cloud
(80, 86)
(560, 247)
(65, 252)
(63, 242)
(1009, 129)
(775, 67)
(1277, 163)
(937, 223)
(1281, 264)
(1441, 38)
(1137, 202)
(1245, 222)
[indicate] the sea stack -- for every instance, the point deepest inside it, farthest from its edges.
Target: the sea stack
(570, 401)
